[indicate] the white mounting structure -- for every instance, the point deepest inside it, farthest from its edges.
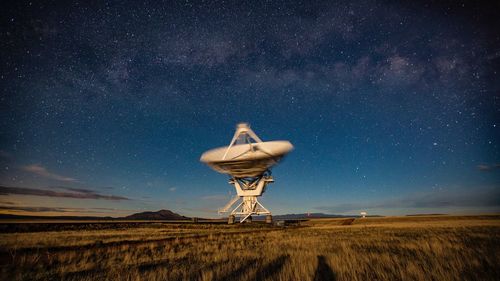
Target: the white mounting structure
(247, 160)
(363, 214)
(247, 188)
(242, 130)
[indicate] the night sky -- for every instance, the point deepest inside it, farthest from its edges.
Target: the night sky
(393, 107)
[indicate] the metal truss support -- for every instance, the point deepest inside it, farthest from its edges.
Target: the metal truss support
(248, 189)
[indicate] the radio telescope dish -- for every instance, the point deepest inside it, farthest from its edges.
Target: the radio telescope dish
(248, 161)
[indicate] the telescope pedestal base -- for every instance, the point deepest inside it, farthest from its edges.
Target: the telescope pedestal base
(249, 206)
(248, 189)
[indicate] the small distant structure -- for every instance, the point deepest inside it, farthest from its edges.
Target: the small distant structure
(363, 214)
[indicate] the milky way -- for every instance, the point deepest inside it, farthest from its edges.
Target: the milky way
(392, 107)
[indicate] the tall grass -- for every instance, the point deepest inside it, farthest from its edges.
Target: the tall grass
(432, 248)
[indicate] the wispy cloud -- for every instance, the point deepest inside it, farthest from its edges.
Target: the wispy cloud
(43, 172)
(73, 189)
(487, 168)
(172, 189)
(7, 203)
(42, 209)
(69, 193)
(485, 197)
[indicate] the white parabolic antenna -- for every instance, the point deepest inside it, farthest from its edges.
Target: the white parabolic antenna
(248, 161)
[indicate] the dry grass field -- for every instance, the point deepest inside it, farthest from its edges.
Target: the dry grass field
(391, 248)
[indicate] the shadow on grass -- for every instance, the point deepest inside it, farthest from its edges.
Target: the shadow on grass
(348, 221)
(267, 271)
(323, 271)
(272, 268)
(242, 269)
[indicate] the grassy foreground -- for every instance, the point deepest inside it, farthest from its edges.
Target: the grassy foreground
(393, 248)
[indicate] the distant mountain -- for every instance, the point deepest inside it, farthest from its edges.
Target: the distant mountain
(158, 215)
